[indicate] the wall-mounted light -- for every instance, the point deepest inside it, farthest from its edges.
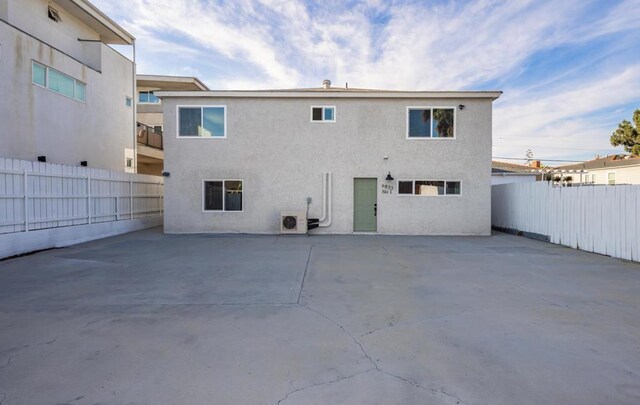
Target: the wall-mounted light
(42, 159)
(166, 174)
(83, 163)
(461, 106)
(389, 177)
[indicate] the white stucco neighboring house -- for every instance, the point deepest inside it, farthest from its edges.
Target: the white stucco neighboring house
(607, 170)
(344, 160)
(67, 97)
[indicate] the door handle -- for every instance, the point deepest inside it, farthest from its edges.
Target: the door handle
(375, 210)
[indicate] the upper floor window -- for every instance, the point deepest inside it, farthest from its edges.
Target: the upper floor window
(58, 82)
(147, 97)
(323, 114)
(430, 122)
(202, 122)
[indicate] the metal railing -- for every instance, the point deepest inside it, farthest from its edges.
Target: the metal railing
(149, 136)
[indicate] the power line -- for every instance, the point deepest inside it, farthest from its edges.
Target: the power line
(546, 160)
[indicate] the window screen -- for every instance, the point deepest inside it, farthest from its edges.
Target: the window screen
(317, 113)
(189, 121)
(213, 196)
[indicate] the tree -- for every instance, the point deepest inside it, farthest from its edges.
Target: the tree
(628, 135)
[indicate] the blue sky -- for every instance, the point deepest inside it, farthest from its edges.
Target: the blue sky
(570, 70)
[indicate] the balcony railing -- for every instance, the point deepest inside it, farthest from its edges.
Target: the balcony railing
(149, 136)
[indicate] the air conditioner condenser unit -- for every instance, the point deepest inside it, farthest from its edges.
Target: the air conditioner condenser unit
(293, 222)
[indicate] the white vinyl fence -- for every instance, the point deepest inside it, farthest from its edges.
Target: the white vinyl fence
(600, 219)
(38, 196)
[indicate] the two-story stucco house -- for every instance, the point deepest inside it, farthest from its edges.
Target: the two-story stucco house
(66, 97)
(389, 162)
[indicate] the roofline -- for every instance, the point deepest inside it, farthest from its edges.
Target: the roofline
(493, 95)
(174, 79)
(103, 19)
(516, 174)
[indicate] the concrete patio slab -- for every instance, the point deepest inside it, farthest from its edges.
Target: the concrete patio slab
(147, 318)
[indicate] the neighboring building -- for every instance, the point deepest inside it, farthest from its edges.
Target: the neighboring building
(149, 114)
(66, 96)
(610, 170)
(400, 162)
(503, 172)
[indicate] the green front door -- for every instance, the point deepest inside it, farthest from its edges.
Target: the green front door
(365, 205)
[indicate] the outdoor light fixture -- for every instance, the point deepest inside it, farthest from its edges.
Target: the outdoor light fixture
(166, 174)
(461, 106)
(83, 163)
(389, 177)
(42, 159)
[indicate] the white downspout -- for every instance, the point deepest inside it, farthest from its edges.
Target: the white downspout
(325, 222)
(324, 198)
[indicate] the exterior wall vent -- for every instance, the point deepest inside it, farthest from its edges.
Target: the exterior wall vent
(53, 14)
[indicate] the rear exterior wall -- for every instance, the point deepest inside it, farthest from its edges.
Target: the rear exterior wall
(277, 151)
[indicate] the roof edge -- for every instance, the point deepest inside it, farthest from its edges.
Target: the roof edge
(105, 20)
(183, 79)
(493, 95)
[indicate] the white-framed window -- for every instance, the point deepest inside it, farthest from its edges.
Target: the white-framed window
(209, 121)
(222, 195)
(431, 122)
(323, 113)
(593, 178)
(58, 82)
(157, 129)
(147, 97)
(429, 187)
(611, 178)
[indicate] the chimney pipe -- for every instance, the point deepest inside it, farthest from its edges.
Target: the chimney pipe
(326, 83)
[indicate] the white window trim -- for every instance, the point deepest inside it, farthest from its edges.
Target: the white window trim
(455, 123)
(335, 113)
(178, 107)
(223, 191)
(46, 82)
(147, 102)
(413, 188)
(615, 180)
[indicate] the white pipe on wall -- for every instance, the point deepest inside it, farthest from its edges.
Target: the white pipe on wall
(324, 198)
(328, 201)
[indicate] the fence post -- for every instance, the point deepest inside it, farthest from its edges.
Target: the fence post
(89, 195)
(130, 198)
(26, 203)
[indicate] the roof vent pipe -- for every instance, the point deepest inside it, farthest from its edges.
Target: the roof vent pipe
(326, 83)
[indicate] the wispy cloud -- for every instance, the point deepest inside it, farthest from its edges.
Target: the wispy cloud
(569, 69)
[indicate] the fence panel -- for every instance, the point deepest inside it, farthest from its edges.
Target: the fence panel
(36, 195)
(600, 219)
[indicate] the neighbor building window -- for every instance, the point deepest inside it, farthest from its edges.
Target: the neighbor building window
(222, 195)
(428, 187)
(58, 82)
(611, 177)
(323, 114)
(147, 97)
(202, 122)
(593, 178)
(430, 122)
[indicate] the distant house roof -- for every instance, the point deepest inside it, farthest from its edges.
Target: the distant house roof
(604, 162)
(333, 92)
(110, 32)
(510, 168)
(171, 83)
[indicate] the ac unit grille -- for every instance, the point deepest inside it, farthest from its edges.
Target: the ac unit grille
(289, 222)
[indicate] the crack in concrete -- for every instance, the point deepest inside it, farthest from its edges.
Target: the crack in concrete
(438, 392)
(539, 298)
(341, 378)
(304, 276)
(9, 361)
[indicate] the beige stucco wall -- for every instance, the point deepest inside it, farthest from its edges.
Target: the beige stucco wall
(272, 145)
(624, 175)
(36, 121)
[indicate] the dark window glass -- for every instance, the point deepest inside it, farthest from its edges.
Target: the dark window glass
(405, 187)
(443, 123)
(453, 187)
(233, 196)
(189, 121)
(429, 187)
(317, 114)
(419, 123)
(213, 196)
